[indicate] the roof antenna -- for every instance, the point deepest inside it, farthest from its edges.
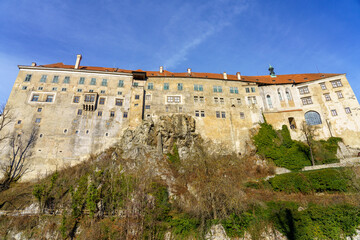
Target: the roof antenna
(317, 68)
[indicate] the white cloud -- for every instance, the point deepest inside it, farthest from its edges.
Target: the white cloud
(192, 25)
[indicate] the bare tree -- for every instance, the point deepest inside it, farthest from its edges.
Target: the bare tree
(309, 133)
(5, 119)
(16, 165)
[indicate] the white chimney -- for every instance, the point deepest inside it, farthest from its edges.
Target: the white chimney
(238, 75)
(161, 69)
(189, 70)
(225, 75)
(78, 59)
(33, 64)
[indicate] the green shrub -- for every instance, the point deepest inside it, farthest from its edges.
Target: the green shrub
(183, 225)
(325, 180)
(236, 225)
(279, 147)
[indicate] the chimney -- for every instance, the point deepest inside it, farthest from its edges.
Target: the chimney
(189, 70)
(225, 75)
(161, 69)
(78, 59)
(33, 64)
(238, 75)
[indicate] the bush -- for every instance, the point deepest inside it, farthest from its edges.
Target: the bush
(279, 147)
(325, 180)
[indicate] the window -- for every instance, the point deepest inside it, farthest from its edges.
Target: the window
(327, 97)
(121, 83)
(288, 94)
(65, 130)
(197, 113)
(312, 118)
(217, 89)
(54, 88)
(93, 81)
(347, 110)
(180, 86)
(91, 90)
(323, 86)
(43, 78)
(28, 78)
(148, 97)
(79, 112)
(19, 122)
(201, 98)
(269, 102)
(306, 101)
(242, 115)
(89, 98)
(336, 83)
(292, 123)
(118, 102)
(216, 99)
(222, 101)
(79, 90)
(166, 86)
(102, 91)
(217, 114)
(196, 99)
(223, 115)
(252, 89)
(24, 87)
(119, 93)
(339, 94)
(101, 101)
(180, 109)
(198, 87)
(39, 109)
(247, 90)
(202, 113)
(76, 99)
(112, 114)
(166, 108)
(40, 88)
(150, 86)
(238, 101)
(135, 84)
(280, 96)
(147, 106)
(125, 115)
(234, 90)
(333, 112)
(99, 113)
(104, 82)
(82, 80)
(304, 90)
(174, 99)
(35, 98)
(38, 120)
(67, 80)
(63, 89)
(137, 97)
(55, 79)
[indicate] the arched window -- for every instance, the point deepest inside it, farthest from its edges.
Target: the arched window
(280, 96)
(288, 94)
(312, 118)
(268, 98)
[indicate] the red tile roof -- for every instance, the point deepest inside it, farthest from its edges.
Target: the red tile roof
(266, 79)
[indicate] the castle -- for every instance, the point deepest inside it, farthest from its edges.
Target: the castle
(81, 110)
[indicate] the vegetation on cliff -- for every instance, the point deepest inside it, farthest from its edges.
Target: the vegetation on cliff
(150, 197)
(294, 155)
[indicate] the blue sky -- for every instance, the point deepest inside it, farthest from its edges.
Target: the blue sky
(208, 36)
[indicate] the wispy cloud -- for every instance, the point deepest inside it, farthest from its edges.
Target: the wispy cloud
(190, 26)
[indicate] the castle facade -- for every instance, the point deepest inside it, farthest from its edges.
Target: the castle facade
(81, 110)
